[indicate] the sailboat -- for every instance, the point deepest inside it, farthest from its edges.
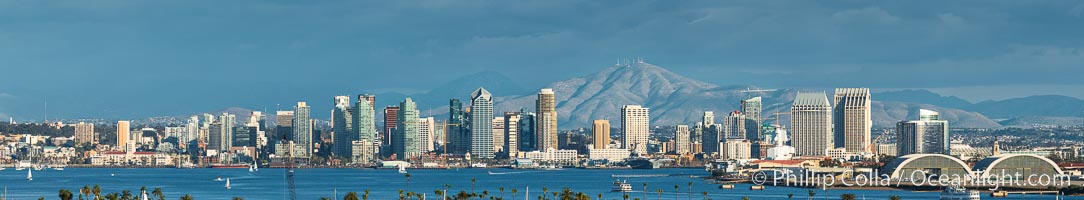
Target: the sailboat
(30, 175)
(228, 183)
(402, 169)
(254, 167)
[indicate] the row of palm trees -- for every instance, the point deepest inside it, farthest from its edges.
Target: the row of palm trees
(86, 192)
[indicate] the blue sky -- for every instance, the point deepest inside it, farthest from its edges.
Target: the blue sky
(140, 58)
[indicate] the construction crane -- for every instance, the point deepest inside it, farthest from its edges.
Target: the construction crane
(748, 90)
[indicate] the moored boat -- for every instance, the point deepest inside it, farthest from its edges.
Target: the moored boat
(959, 193)
(620, 186)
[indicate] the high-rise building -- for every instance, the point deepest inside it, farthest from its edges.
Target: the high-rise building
(735, 149)
(851, 116)
(527, 127)
(601, 132)
(811, 124)
(481, 124)
(303, 129)
(342, 121)
(511, 133)
(405, 141)
(84, 133)
(122, 134)
(752, 109)
(227, 120)
(681, 139)
(734, 125)
(364, 125)
(498, 134)
(547, 120)
(391, 120)
(711, 136)
(426, 127)
(635, 124)
(458, 128)
(928, 135)
(193, 131)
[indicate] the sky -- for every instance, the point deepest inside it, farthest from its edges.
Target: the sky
(151, 58)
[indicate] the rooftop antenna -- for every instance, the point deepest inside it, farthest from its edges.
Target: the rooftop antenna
(46, 110)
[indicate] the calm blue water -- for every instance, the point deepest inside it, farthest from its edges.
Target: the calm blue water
(384, 184)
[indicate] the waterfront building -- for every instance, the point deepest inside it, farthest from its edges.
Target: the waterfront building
(303, 129)
(404, 141)
(681, 139)
(342, 127)
(122, 134)
(635, 127)
(391, 121)
(545, 105)
(511, 133)
(553, 155)
(84, 133)
(928, 135)
(458, 128)
(528, 140)
(481, 124)
(363, 120)
(851, 116)
(601, 132)
(734, 125)
(498, 134)
(611, 154)
(735, 149)
(752, 109)
(811, 122)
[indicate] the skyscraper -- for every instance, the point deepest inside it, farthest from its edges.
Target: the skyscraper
(929, 134)
(527, 127)
(511, 133)
(481, 124)
(84, 133)
(681, 139)
(123, 135)
(192, 131)
(752, 109)
(364, 125)
(391, 120)
(851, 114)
(405, 141)
(811, 124)
(227, 122)
(458, 133)
(734, 125)
(635, 124)
(426, 126)
(342, 121)
(601, 130)
(303, 129)
(711, 136)
(547, 120)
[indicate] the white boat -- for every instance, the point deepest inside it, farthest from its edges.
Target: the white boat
(956, 192)
(19, 169)
(2, 169)
(58, 168)
(478, 165)
(402, 169)
(219, 178)
(228, 183)
(621, 186)
(30, 175)
(254, 167)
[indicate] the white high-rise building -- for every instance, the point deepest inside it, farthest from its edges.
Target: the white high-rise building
(735, 149)
(811, 124)
(302, 123)
(851, 115)
(928, 135)
(635, 126)
(481, 123)
(681, 139)
(426, 129)
(546, 106)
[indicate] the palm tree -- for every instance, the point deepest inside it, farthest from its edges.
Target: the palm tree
(744, 198)
(705, 195)
(366, 195)
(400, 194)
(351, 196)
(158, 193)
(555, 195)
(410, 195)
(645, 191)
(625, 196)
(239, 198)
(790, 195)
(676, 191)
(811, 194)
(97, 191)
(485, 193)
(599, 196)
(514, 193)
(659, 191)
(321, 198)
(126, 195)
(544, 192)
(64, 194)
(187, 197)
(407, 180)
(419, 195)
(472, 180)
(690, 190)
(894, 197)
(85, 191)
(847, 197)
